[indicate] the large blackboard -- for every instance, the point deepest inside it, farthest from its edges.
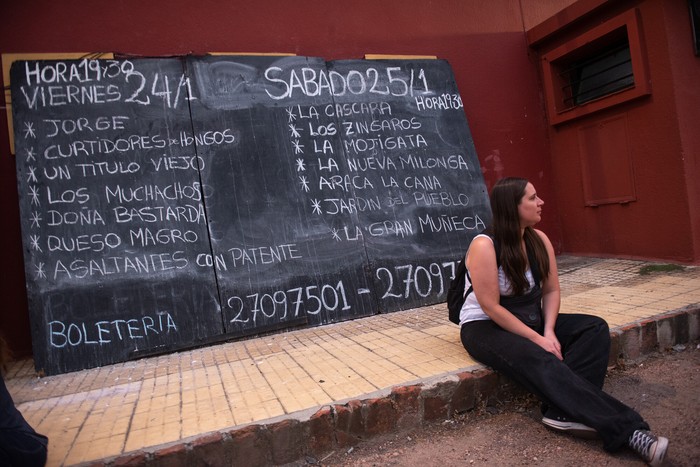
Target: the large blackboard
(167, 203)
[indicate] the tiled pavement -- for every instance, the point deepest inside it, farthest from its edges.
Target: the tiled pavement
(138, 410)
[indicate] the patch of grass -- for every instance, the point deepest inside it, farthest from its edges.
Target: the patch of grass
(652, 268)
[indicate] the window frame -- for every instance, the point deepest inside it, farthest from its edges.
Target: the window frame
(590, 43)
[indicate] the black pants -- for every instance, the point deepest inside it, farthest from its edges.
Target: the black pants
(573, 386)
(20, 445)
(20, 448)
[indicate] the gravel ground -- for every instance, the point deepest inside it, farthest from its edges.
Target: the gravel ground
(663, 388)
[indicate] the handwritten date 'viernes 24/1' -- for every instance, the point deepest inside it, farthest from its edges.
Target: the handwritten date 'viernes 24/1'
(88, 82)
(402, 282)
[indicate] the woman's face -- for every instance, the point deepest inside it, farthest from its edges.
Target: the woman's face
(530, 207)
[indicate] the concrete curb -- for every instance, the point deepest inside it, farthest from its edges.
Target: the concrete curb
(342, 425)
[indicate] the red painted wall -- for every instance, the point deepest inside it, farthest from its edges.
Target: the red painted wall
(685, 69)
(663, 143)
(483, 41)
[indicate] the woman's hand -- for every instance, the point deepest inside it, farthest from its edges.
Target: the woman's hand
(550, 343)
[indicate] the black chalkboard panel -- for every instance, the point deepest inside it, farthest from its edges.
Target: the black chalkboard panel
(167, 203)
(111, 210)
(282, 257)
(415, 173)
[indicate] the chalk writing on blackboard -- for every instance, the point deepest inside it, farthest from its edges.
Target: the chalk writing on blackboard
(167, 203)
(113, 210)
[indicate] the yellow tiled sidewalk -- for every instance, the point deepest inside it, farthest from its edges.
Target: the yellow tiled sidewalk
(100, 413)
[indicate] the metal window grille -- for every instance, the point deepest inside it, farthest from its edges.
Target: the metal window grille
(598, 75)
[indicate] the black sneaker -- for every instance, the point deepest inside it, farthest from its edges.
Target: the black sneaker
(651, 448)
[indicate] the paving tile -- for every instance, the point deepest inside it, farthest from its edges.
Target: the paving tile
(133, 405)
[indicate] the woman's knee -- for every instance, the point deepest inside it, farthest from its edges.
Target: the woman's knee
(589, 323)
(601, 328)
(601, 323)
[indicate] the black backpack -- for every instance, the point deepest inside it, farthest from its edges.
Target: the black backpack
(455, 293)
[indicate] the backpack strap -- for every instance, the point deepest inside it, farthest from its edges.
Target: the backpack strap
(471, 288)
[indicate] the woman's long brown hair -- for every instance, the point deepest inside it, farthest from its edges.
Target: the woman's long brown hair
(505, 198)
